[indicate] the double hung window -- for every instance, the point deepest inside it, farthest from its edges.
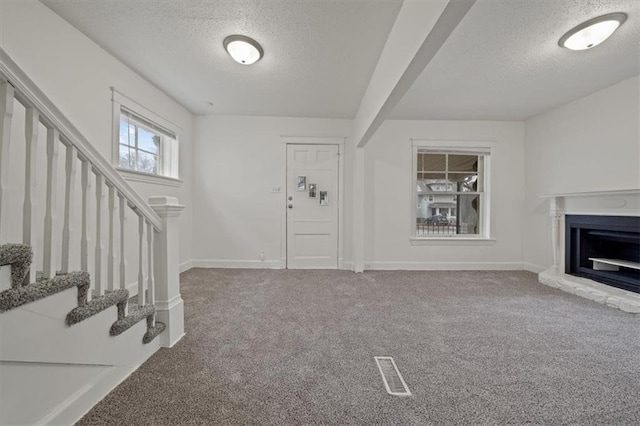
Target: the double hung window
(450, 185)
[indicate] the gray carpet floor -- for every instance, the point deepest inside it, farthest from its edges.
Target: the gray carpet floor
(298, 347)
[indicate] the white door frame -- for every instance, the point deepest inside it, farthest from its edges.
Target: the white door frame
(312, 140)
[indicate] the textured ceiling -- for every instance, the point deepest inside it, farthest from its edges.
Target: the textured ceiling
(503, 61)
(319, 54)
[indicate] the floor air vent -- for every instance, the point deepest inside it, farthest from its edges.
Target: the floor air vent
(393, 380)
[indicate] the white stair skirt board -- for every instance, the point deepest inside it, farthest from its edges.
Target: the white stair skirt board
(64, 392)
(37, 332)
(67, 370)
(592, 290)
(393, 381)
(52, 386)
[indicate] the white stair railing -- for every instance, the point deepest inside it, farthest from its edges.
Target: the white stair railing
(157, 274)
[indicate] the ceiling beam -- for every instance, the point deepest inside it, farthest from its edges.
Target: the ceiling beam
(420, 30)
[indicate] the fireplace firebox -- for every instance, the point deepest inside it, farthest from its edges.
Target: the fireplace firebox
(604, 249)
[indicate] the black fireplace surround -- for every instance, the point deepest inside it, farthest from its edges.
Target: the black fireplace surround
(603, 237)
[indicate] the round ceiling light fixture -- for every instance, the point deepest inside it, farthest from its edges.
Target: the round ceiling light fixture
(592, 32)
(242, 49)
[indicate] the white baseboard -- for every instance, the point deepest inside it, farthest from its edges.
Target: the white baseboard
(185, 266)
(371, 266)
(63, 392)
(245, 264)
(237, 264)
(536, 269)
(443, 266)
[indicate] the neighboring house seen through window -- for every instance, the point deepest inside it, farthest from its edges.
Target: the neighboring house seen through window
(450, 188)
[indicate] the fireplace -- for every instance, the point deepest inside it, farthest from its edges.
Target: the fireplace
(595, 244)
(604, 249)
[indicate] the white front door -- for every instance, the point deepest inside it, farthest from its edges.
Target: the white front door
(312, 206)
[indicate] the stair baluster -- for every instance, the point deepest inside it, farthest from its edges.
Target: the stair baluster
(69, 204)
(123, 217)
(6, 115)
(49, 255)
(140, 261)
(97, 277)
(32, 124)
(84, 239)
(151, 297)
(111, 255)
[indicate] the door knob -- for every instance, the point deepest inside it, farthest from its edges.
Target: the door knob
(290, 206)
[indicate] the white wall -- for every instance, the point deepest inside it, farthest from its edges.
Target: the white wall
(388, 197)
(231, 163)
(237, 162)
(591, 144)
(76, 74)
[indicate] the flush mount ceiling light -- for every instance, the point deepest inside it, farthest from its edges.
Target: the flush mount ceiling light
(243, 50)
(593, 32)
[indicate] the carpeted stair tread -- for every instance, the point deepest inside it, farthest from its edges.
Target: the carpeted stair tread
(21, 295)
(99, 304)
(152, 331)
(136, 314)
(19, 257)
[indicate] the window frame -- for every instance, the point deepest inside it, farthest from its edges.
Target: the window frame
(168, 152)
(486, 149)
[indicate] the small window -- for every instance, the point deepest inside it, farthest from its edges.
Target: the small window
(140, 146)
(450, 187)
(145, 143)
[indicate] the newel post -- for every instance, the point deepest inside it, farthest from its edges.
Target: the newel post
(166, 245)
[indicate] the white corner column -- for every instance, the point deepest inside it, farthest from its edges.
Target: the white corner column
(169, 303)
(358, 210)
(556, 211)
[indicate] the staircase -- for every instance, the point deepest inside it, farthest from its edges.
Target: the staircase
(75, 319)
(19, 256)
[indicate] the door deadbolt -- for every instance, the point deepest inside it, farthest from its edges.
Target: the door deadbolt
(290, 198)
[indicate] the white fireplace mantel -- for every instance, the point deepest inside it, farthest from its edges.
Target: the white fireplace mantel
(620, 202)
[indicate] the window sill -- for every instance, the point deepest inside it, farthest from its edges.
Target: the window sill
(451, 241)
(135, 176)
